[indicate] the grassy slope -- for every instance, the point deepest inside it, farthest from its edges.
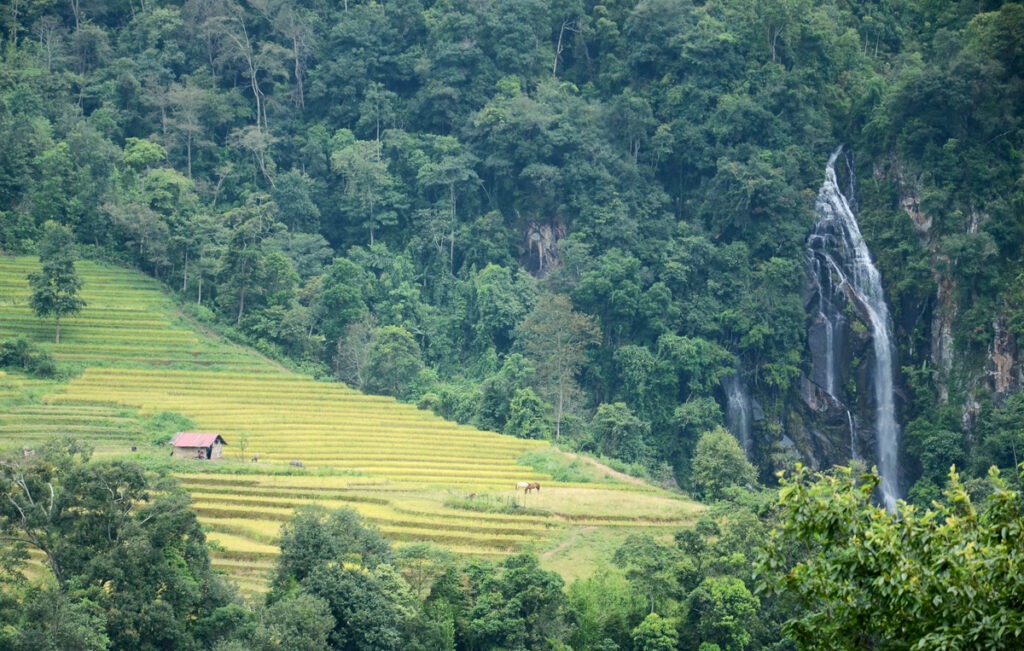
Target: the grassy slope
(402, 468)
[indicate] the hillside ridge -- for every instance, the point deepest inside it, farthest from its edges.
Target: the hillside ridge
(137, 358)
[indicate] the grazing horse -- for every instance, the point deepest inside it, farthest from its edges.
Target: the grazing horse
(531, 486)
(522, 484)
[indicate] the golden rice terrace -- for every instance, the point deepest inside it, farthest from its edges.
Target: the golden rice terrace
(418, 477)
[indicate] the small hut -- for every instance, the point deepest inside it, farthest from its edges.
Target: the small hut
(197, 445)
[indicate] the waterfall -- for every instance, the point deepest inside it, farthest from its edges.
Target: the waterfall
(841, 265)
(830, 320)
(853, 435)
(738, 410)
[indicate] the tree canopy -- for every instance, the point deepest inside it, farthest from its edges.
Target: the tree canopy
(637, 178)
(129, 559)
(569, 220)
(55, 287)
(922, 578)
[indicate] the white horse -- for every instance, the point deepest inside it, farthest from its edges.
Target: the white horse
(522, 484)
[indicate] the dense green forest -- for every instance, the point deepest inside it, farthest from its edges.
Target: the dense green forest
(414, 197)
(567, 220)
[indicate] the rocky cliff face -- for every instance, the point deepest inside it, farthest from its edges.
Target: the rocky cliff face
(847, 407)
(1001, 373)
(831, 416)
(1003, 369)
(834, 425)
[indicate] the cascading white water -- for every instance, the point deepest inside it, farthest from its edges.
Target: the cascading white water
(837, 244)
(738, 410)
(830, 320)
(853, 436)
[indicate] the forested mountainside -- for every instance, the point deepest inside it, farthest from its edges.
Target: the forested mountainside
(573, 220)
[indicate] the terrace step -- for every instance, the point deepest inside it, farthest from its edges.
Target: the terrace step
(408, 471)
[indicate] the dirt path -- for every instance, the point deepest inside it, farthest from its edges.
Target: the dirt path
(567, 543)
(629, 479)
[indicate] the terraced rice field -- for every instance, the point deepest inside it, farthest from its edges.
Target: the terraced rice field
(400, 467)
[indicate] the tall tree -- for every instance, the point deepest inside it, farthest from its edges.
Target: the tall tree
(450, 169)
(55, 288)
(393, 362)
(618, 433)
(718, 463)
(244, 263)
(315, 538)
(261, 62)
(721, 611)
(296, 24)
(656, 633)
(187, 101)
(555, 339)
(517, 605)
(370, 189)
(352, 356)
(652, 567)
(336, 557)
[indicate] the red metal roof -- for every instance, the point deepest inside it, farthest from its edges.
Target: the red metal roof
(196, 440)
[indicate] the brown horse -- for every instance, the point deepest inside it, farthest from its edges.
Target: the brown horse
(531, 486)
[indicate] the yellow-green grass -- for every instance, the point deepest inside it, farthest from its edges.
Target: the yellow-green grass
(410, 473)
(384, 515)
(279, 421)
(480, 532)
(587, 548)
(606, 504)
(251, 575)
(127, 319)
(240, 547)
(107, 428)
(11, 389)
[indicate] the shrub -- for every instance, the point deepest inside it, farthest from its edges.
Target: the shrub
(491, 504)
(719, 462)
(560, 467)
(160, 427)
(24, 356)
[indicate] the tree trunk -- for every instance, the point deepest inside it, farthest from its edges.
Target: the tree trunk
(14, 24)
(241, 305)
(299, 92)
(76, 10)
(773, 38)
(558, 51)
(451, 244)
(559, 411)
